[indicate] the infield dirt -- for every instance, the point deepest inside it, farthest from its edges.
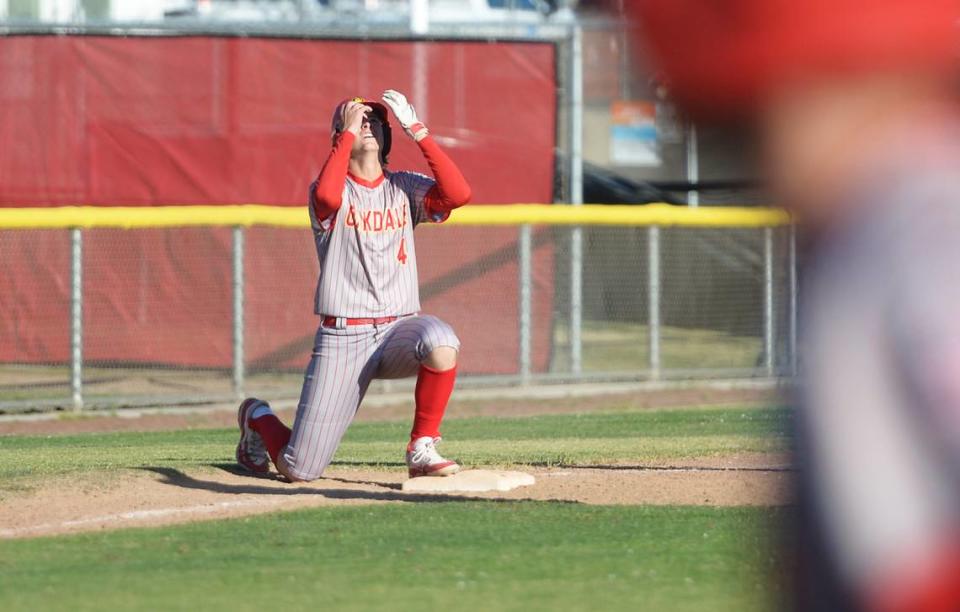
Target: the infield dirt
(160, 496)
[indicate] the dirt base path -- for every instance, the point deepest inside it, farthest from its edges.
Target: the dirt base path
(163, 496)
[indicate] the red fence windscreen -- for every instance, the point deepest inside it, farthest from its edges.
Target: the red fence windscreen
(149, 121)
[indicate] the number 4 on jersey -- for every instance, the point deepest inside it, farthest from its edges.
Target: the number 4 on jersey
(402, 253)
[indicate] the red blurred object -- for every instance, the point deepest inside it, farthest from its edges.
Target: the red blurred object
(928, 585)
(720, 58)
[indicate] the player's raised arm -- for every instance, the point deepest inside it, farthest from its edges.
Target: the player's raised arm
(327, 191)
(451, 190)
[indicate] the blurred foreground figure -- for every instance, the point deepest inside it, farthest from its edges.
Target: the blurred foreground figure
(860, 133)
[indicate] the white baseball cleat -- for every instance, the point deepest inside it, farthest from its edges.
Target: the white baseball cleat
(424, 460)
(251, 454)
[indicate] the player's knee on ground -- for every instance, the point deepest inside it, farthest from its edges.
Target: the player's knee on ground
(289, 469)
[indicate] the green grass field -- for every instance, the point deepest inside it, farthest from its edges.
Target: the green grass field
(582, 439)
(462, 555)
(438, 556)
(619, 346)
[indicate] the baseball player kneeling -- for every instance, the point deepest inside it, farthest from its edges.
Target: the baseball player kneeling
(367, 298)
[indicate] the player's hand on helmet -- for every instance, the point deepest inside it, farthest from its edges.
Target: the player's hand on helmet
(353, 115)
(405, 114)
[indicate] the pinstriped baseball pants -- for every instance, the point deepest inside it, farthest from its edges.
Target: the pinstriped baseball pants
(343, 363)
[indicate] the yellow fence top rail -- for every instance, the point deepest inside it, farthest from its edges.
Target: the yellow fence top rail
(617, 214)
(129, 217)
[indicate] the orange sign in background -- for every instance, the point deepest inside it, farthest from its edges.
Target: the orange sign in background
(633, 133)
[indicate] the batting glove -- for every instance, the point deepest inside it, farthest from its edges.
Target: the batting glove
(405, 114)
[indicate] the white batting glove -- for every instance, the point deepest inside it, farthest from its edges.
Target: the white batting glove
(405, 114)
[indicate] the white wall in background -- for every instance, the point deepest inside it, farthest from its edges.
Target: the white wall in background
(57, 10)
(145, 10)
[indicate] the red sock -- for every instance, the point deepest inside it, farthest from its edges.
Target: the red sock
(274, 433)
(433, 391)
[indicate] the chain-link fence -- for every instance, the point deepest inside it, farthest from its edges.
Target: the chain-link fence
(114, 317)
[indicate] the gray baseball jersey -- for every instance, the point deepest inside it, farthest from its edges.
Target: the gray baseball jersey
(881, 401)
(368, 269)
(368, 263)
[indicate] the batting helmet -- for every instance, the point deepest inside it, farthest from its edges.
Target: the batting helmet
(381, 113)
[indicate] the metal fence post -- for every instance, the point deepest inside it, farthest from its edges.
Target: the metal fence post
(238, 289)
(576, 199)
(693, 165)
(768, 331)
(794, 298)
(653, 293)
(526, 294)
(76, 317)
(576, 301)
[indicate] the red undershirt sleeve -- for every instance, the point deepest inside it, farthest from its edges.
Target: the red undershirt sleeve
(328, 193)
(451, 190)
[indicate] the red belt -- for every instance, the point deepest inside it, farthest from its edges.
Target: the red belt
(329, 321)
